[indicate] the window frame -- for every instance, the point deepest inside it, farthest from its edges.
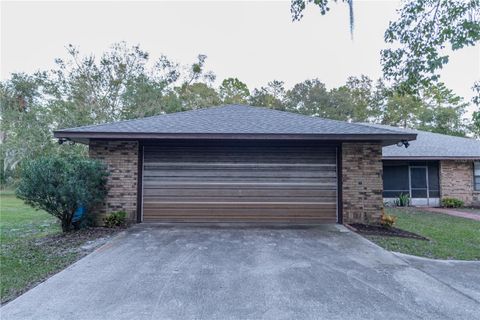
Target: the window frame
(476, 175)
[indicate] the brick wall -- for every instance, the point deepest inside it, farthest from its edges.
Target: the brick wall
(362, 182)
(456, 180)
(121, 158)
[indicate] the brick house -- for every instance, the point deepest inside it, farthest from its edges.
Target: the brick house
(434, 166)
(240, 164)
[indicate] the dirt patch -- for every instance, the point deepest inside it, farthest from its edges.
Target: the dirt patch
(375, 230)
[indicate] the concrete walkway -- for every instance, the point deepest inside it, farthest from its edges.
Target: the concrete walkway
(453, 212)
(328, 272)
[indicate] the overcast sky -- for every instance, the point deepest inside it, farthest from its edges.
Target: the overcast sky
(254, 41)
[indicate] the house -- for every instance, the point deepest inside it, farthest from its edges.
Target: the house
(240, 163)
(434, 166)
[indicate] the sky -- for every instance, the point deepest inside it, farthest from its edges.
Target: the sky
(254, 41)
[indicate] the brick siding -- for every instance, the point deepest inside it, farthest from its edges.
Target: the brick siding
(121, 158)
(456, 180)
(362, 182)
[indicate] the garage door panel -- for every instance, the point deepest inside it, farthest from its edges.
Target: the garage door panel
(239, 192)
(281, 183)
(281, 199)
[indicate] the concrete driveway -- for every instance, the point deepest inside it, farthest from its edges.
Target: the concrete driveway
(175, 272)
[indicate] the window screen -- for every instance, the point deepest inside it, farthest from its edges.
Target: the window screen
(395, 181)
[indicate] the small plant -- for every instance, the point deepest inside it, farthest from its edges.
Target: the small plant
(115, 219)
(388, 220)
(452, 203)
(403, 200)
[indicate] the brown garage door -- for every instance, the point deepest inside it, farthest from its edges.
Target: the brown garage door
(240, 181)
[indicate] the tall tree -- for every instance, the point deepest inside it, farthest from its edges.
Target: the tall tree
(234, 91)
(272, 96)
(443, 112)
(402, 110)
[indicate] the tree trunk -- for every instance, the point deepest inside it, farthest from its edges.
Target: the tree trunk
(67, 222)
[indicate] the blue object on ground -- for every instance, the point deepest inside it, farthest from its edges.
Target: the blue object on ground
(79, 213)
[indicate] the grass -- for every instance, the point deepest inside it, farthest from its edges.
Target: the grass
(32, 246)
(450, 237)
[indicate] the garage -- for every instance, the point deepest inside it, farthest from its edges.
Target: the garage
(238, 163)
(239, 181)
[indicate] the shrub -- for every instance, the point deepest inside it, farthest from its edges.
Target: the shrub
(115, 219)
(452, 203)
(388, 220)
(403, 200)
(60, 185)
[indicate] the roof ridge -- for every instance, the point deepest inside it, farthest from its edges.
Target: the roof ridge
(325, 119)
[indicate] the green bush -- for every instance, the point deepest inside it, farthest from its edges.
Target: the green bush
(403, 200)
(115, 219)
(452, 203)
(59, 185)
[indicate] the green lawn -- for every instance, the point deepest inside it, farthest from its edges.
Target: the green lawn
(450, 237)
(32, 246)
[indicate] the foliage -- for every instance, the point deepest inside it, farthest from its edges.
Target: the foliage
(403, 200)
(388, 220)
(418, 39)
(448, 202)
(115, 219)
(272, 96)
(298, 6)
(59, 185)
(425, 28)
(475, 127)
(125, 83)
(234, 91)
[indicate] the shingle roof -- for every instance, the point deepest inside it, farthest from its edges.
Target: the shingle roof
(430, 145)
(231, 119)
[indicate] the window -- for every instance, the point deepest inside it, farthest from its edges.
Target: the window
(395, 181)
(477, 175)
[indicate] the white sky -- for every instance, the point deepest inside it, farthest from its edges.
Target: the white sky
(253, 41)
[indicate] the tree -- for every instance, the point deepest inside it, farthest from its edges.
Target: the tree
(362, 94)
(234, 91)
(298, 6)
(309, 97)
(196, 95)
(122, 83)
(418, 38)
(272, 96)
(61, 185)
(475, 127)
(351, 102)
(25, 123)
(443, 112)
(402, 110)
(424, 29)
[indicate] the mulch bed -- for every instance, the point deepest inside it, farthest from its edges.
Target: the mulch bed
(376, 230)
